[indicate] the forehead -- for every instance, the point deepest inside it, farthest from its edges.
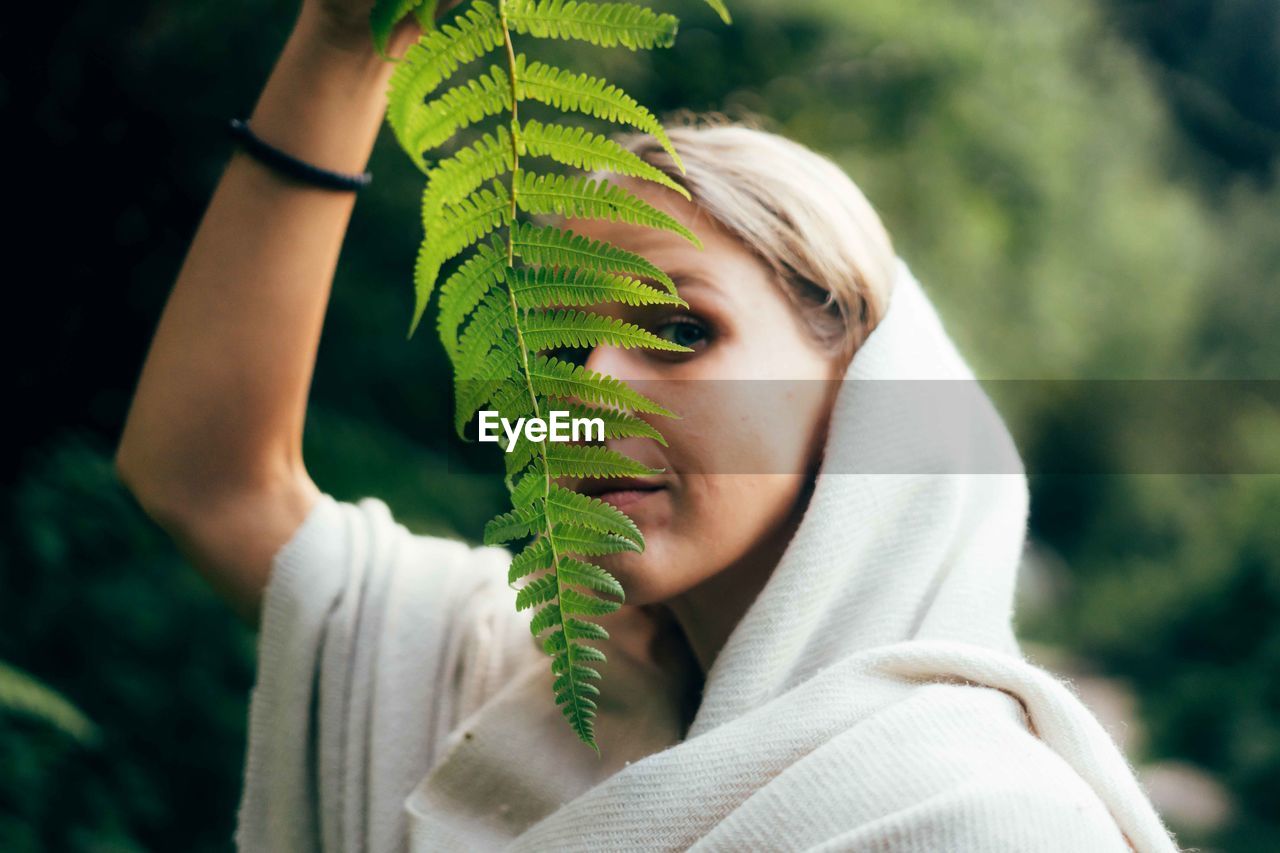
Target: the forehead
(720, 252)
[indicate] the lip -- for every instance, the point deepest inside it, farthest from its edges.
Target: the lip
(621, 492)
(622, 498)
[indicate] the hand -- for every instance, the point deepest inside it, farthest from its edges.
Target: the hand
(345, 24)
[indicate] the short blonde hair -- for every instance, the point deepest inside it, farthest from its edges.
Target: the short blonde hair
(795, 209)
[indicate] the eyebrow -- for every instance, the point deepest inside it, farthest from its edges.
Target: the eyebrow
(683, 279)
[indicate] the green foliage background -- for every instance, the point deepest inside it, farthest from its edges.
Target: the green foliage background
(1087, 191)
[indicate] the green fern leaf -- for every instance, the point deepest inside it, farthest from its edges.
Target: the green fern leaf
(589, 576)
(544, 619)
(457, 177)
(467, 287)
(576, 460)
(451, 230)
(434, 59)
(495, 319)
(498, 368)
(544, 330)
(513, 525)
(548, 245)
(585, 652)
(604, 24)
(572, 601)
(532, 485)
(580, 148)
(484, 332)
(554, 378)
(587, 543)
(461, 106)
(543, 287)
(426, 14)
(537, 591)
(568, 507)
(586, 630)
(537, 556)
(593, 96)
(576, 196)
(616, 424)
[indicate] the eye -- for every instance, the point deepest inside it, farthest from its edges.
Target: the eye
(685, 331)
(572, 355)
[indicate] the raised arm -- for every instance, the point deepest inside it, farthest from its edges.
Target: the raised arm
(212, 447)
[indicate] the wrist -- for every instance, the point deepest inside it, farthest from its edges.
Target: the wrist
(345, 50)
(323, 103)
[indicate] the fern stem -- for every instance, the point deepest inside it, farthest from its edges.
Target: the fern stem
(524, 353)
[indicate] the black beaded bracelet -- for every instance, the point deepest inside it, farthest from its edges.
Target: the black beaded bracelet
(292, 166)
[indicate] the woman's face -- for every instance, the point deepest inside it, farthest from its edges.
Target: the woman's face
(754, 398)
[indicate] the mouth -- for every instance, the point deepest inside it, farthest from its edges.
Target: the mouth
(620, 492)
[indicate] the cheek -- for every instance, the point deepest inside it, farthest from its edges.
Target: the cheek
(746, 426)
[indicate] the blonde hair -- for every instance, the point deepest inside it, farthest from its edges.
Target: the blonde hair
(795, 209)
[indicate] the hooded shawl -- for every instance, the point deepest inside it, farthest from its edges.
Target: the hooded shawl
(872, 697)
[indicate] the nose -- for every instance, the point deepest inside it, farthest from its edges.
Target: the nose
(611, 361)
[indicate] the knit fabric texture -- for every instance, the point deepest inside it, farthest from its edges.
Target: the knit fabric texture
(873, 696)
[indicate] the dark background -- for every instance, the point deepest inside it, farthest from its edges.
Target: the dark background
(1087, 191)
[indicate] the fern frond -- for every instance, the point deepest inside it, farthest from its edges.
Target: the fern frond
(616, 424)
(587, 94)
(467, 287)
(604, 24)
(571, 689)
(588, 575)
(462, 106)
(590, 544)
(555, 378)
(525, 453)
(585, 629)
(532, 485)
(590, 653)
(564, 506)
(495, 319)
(436, 56)
(537, 591)
(536, 556)
(486, 331)
(497, 368)
(544, 330)
(543, 287)
(577, 460)
(577, 197)
(449, 231)
(580, 148)
(573, 601)
(456, 177)
(544, 619)
(456, 226)
(548, 245)
(513, 525)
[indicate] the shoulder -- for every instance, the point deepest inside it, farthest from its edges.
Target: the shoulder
(956, 766)
(342, 546)
(1009, 785)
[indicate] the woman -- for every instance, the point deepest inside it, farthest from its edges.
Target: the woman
(816, 649)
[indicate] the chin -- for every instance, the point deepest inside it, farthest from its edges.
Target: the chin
(640, 574)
